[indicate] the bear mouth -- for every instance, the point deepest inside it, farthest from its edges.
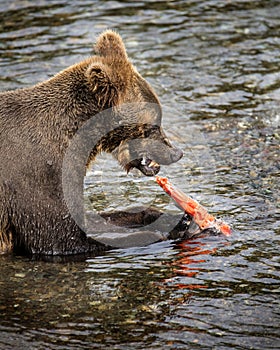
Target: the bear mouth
(147, 166)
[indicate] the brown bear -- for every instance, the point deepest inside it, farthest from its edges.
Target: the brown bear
(37, 125)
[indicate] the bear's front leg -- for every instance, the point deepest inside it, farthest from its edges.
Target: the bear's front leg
(146, 216)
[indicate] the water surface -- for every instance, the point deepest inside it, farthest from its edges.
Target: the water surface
(216, 68)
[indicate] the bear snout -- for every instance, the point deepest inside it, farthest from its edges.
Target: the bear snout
(166, 154)
(176, 154)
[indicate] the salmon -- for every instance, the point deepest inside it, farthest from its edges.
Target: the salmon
(198, 213)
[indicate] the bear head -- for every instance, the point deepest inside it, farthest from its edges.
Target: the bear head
(138, 140)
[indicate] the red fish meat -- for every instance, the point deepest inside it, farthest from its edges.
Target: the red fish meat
(198, 213)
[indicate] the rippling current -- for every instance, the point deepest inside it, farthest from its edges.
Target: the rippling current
(215, 66)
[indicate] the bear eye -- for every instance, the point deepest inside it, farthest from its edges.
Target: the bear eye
(150, 130)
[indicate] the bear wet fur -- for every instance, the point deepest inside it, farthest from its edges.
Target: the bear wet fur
(37, 125)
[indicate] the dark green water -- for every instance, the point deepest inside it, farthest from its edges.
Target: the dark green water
(216, 68)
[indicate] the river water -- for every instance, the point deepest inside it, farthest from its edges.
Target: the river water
(215, 66)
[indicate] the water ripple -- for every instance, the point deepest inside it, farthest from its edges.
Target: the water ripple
(215, 66)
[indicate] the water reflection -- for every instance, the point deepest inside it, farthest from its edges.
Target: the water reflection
(188, 264)
(217, 64)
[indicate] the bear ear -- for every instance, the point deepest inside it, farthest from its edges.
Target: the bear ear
(110, 44)
(100, 82)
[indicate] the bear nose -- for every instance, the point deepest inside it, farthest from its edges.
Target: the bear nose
(176, 155)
